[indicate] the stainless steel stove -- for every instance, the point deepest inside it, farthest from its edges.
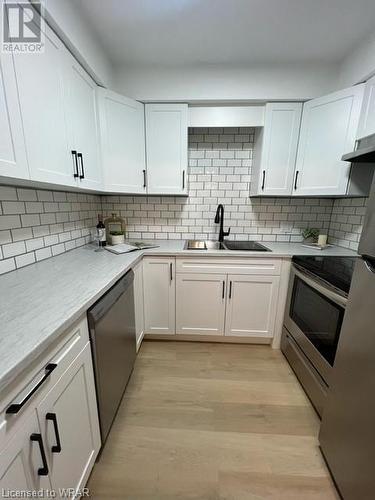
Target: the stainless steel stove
(314, 313)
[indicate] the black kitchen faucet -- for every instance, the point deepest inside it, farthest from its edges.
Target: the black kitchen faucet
(219, 217)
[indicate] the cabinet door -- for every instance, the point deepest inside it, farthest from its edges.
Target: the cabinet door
(83, 123)
(279, 148)
(159, 295)
(251, 305)
(68, 417)
(166, 148)
(21, 458)
(122, 134)
(13, 159)
(328, 130)
(139, 303)
(200, 304)
(367, 119)
(40, 81)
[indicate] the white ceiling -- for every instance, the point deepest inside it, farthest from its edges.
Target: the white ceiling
(187, 32)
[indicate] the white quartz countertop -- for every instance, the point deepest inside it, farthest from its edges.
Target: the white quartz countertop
(39, 302)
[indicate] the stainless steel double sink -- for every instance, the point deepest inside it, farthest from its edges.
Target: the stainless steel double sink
(247, 246)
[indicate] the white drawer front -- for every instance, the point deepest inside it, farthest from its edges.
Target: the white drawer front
(259, 266)
(61, 353)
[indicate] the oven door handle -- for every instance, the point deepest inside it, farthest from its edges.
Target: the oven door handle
(323, 289)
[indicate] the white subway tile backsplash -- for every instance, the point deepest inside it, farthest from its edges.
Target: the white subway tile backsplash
(12, 249)
(37, 224)
(220, 162)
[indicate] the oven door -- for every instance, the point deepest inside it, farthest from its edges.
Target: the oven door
(313, 316)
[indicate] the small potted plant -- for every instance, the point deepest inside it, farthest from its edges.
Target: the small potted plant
(310, 235)
(117, 237)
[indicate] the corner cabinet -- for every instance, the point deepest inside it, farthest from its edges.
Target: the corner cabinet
(166, 148)
(159, 295)
(122, 133)
(328, 130)
(367, 120)
(276, 150)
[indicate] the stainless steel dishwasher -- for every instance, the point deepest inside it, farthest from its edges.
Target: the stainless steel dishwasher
(112, 333)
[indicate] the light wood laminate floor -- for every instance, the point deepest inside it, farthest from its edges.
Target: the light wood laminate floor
(212, 421)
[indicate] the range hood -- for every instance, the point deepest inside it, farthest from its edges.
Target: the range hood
(364, 151)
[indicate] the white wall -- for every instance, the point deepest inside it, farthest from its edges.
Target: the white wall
(65, 16)
(221, 83)
(359, 65)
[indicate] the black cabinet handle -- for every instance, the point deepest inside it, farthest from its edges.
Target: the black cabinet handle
(76, 173)
(15, 407)
(56, 448)
(264, 179)
(295, 180)
(183, 179)
(82, 175)
(230, 290)
(42, 471)
(223, 294)
(171, 271)
(144, 178)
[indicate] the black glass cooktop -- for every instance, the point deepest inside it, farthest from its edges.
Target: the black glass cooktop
(336, 270)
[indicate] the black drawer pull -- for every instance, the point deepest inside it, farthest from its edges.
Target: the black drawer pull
(42, 471)
(15, 407)
(56, 448)
(82, 175)
(144, 178)
(264, 179)
(76, 173)
(230, 290)
(183, 179)
(223, 294)
(171, 271)
(296, 179)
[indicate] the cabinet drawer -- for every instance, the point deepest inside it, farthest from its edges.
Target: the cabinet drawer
(28, 389)
(260, 266)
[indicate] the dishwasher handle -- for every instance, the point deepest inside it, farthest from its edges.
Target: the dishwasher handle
(110, 298)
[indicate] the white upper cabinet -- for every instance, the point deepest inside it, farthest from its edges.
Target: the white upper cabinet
(367, 119)
(13, 159)
(276, 150)
(40, 81)
(328, 130)
(83, 124)
(122, 132)
(166, 148)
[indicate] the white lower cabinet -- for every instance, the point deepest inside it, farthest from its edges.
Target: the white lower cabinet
(139, 303)
(69, 422)
(233, 305)
(21, 459)
(200, 304)
(251, 305)
(159, 295)
(51, 438)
